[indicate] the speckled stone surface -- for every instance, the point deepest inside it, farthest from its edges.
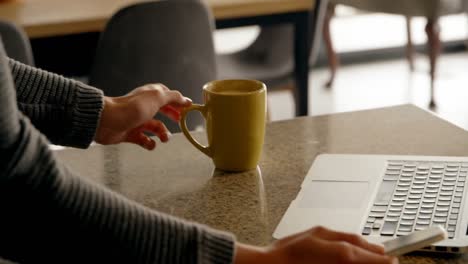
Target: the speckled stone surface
(179, 180)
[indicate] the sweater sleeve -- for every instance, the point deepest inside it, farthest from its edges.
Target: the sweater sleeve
(50, 215)
(64, 110)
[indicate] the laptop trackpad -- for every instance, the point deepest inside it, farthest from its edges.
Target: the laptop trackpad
(334, 195)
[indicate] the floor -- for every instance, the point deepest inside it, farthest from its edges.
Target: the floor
(376, 84)
(386, 83)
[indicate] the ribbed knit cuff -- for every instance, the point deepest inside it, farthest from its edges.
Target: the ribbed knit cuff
(89, 103)
(216, 247)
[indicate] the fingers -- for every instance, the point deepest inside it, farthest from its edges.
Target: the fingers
(175, 98)
(345, 252)
(171, 112)
(141, 139)
(354, 239)
(158, 128)
(348, 253)
(138, 136)
(151, 98)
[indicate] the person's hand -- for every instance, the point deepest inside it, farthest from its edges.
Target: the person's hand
(317, 245)
(127, 118)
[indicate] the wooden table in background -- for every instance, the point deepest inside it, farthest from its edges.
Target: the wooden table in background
(53, 18)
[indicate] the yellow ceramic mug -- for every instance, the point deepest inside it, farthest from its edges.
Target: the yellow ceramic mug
(235, 113)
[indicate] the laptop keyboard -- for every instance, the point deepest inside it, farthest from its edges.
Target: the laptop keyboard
(415, 195)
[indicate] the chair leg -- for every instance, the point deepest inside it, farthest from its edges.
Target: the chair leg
(409, 44)
(333, 60)
(434, 46)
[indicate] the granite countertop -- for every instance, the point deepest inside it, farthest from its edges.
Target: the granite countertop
(179, 180)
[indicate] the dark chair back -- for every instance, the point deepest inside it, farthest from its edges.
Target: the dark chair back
(167, 41)
(16, 43)
(270, 57)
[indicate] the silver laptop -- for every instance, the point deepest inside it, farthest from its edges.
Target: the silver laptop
(382, 197)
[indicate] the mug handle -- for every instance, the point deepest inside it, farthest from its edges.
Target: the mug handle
(183, 126)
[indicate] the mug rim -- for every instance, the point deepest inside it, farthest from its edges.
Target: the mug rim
(260, 90)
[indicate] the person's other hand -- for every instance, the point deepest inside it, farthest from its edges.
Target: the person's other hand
(127, 118)
(317, 245)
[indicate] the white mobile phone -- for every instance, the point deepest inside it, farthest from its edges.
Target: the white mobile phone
(414, 241)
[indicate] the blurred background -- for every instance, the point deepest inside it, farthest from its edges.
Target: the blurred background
(365, 53)
(374, 70)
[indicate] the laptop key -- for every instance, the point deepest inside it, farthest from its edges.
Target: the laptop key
(366, 231)
(392, 219)
(451, 228)
(429, 200)
(440, 220)
(389, 228)
(430, 195)
(402, 233)
(445, 193)
(400, 194)
(442, 209)
(408, 217)
(425, 211)
(425, 216)
(376, 215)
(423, 222)
(406, 223)
(419, 182)
(443, 203)
(379, 209)
(441, 214)
(427, 205)
(415, 196)
(395, 209)
(394, 214)
(385, 191)
(390, 177)
(453, 217)
(398, 199)
(410, 212)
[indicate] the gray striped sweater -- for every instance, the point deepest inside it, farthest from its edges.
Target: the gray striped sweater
(49, 215)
